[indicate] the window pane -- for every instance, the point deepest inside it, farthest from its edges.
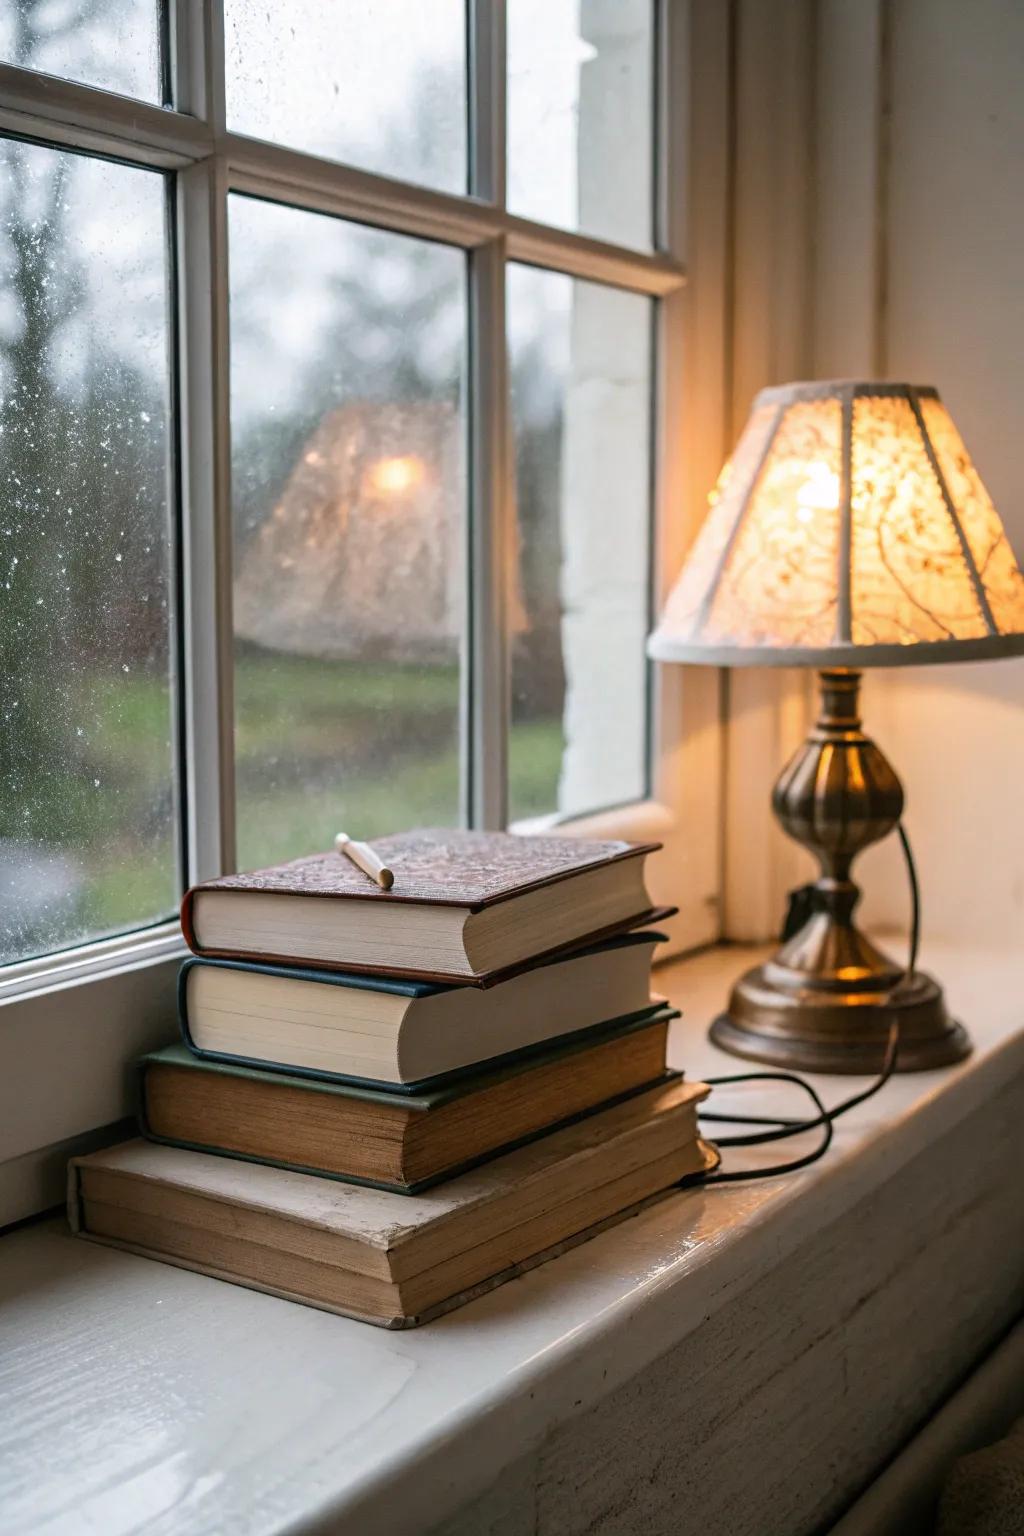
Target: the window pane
(581, 390)
(113, 44)
(87, 793)
(581, 116)
(377, 83)
(347, 350)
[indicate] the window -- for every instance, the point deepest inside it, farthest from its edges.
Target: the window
(348, 409)
(116, 45)
(88, 784)
(581, 99)
(337, 349)
(580, 366)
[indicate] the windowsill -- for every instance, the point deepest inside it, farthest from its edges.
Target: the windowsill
(141, 1397)
(111, 956)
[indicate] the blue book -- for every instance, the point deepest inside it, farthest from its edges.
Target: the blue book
(402, 1035)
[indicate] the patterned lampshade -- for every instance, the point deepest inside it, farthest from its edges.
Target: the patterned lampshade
(849, 528)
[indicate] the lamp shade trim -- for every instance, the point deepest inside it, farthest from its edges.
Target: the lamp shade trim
(965, 548)
(661, 647)
(844, 620)
(835, 389)
(849, 528)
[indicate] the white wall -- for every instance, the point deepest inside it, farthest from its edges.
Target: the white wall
(770, 344)
(920, 276)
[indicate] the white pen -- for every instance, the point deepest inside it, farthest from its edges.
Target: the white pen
(364, 858)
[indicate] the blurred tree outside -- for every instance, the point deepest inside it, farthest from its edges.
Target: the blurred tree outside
(86, 783)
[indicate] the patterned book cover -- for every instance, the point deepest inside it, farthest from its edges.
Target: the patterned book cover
(438, 867)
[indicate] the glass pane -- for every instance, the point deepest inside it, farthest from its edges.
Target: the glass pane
(581, 116)
(347, 348)
(87, 791)
(112, 44)
(377, 83)
(580, 357)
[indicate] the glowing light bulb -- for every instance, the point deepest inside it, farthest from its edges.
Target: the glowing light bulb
(819, 492)
(394, 476)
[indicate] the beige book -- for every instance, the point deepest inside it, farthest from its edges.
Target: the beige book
(386, 1258)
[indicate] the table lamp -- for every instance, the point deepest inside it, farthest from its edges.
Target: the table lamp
(850, 529)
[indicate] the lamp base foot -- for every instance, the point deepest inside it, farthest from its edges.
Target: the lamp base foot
(783, 1018)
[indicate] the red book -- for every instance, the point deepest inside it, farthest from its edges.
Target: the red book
(466, 907)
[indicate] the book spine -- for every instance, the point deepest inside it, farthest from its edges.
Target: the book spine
(183, 1006)
(74, 1197)
(187, 929)
(141, 1107)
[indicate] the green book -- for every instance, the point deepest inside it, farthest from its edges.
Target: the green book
(399, 1141)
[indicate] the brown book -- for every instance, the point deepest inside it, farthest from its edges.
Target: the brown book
(390, 1259)
(464, 907)
(399, 1141)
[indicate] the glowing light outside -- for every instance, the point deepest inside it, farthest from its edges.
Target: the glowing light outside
(395, 476)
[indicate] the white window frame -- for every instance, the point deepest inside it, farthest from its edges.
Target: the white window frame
(71, 1022)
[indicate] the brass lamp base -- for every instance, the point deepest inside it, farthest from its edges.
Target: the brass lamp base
(776, 1015)
(826, 1001)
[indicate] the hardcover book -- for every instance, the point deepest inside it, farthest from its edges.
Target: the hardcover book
(464, 907)
(398, 1141)
(394, 1260)
(398, 1032)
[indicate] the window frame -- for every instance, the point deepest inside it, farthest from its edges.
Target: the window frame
(69, 1021)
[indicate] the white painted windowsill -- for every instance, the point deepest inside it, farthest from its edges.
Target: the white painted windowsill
(141, 1398)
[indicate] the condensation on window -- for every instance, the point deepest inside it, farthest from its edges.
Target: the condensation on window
(87, 778)
(112, 44)
(380, 84)
(581, 116)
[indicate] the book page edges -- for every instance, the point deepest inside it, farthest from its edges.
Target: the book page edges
(427, 1093)
(650, 917)
(400, 1320)
(233, 1181)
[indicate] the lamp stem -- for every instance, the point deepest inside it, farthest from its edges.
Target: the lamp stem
(840, 699)
(826, 1000)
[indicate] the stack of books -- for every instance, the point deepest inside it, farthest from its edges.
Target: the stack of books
(388, 1100)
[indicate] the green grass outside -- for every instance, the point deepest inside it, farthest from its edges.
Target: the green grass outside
(319, 745)
(371, 748)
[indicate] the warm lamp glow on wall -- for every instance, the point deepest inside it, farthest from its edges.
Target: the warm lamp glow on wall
(850, 529)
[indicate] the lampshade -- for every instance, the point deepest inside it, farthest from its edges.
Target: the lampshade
(849, 528)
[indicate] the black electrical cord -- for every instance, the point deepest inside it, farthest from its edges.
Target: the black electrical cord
(915, 901)
(783, 1127)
